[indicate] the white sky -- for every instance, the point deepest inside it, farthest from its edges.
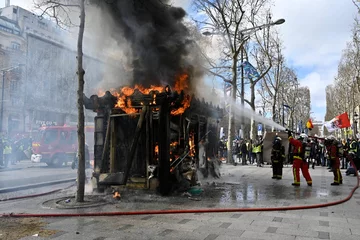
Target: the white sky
(314, 35)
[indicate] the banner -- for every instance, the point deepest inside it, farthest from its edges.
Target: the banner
(250, 71)
(341, 121)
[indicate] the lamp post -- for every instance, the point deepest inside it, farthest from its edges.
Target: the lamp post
(243, 34)
(4, 71)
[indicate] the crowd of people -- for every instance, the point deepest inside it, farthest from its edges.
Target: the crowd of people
(13, 149)
(304, 152)
(244, 151)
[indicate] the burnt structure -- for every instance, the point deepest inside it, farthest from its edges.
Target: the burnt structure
(127, 144)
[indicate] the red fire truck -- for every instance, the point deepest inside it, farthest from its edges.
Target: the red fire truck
(57, 145)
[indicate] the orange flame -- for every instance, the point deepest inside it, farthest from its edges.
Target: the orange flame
(124, 102)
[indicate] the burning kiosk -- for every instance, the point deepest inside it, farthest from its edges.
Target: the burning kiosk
(136, 128)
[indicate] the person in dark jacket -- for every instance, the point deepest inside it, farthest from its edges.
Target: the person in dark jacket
(243, 149)
(277, 158)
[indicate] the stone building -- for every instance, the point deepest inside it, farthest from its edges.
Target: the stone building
(41, 87)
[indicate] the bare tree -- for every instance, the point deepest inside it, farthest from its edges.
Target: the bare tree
(229, 19)
(59, 10)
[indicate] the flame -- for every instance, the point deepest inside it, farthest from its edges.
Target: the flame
(192, 144)
(124, 100)
(116, 195)
(156, 150)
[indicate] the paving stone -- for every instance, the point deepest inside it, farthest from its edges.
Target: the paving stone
(277, 219)
(324, 214)
(271, 230)
(100, 238)
(324, 223)
(184, 221)
(166, 232)
(211, 237)
(324, 235)
(225, 225)
(236, 215)
(90, 223)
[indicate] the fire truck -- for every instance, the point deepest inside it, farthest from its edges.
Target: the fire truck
(57, 145)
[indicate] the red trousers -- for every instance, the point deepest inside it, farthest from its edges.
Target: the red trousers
(336, 171)
(300, 164)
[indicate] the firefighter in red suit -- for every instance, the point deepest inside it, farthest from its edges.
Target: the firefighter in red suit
(298, 161)
(332, 149)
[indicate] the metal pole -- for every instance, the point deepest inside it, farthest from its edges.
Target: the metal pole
(242, 88)
(2, 101)
(283, 113)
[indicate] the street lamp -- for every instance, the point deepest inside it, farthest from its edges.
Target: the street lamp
(4, 71)
(277, 22)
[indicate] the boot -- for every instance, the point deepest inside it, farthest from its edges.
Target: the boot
(296, 184)
(334, 184)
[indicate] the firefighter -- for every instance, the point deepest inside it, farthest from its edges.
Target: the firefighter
(277, 158)
(307, 152)
(298, 161)
(333, 151)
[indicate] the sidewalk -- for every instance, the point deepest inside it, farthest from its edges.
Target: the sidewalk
(239, 187)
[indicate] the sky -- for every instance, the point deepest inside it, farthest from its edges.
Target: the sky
(314, 35)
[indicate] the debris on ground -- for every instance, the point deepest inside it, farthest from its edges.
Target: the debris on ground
(186, 194)
(194, 199)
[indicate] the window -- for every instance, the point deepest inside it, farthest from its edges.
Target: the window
(73, 137)
(42, 25)
(15, 10)
(50, 136)
(15, 45)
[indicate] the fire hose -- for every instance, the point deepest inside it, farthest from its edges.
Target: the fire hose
(35, 195)
(183, 211)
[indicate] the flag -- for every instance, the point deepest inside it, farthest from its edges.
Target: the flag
(340, 121)
(250, 71)
(309, 125)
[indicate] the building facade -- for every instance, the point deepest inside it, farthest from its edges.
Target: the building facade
(41, 86)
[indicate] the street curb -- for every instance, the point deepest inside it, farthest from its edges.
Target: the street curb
(36, 185)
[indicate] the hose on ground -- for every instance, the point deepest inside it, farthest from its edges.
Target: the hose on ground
(183, 211)
(35, 195)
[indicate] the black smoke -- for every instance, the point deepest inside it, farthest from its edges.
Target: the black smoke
(160, 42)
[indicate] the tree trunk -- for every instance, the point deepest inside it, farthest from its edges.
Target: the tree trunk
(274, 108)
(231, 129)
(80, 104)
(252, 105)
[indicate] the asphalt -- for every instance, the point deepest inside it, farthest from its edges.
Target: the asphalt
(240, 187)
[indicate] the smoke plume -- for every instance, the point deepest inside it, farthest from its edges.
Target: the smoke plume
(160, 43)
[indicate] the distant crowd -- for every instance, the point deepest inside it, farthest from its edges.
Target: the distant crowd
(13, 149)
